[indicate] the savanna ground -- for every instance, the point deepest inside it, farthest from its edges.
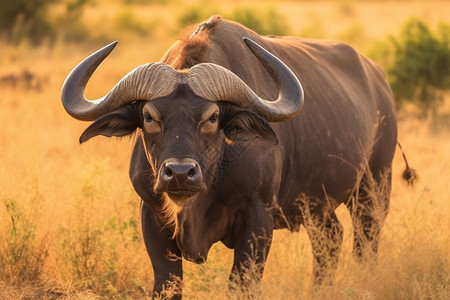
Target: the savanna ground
(69, 218)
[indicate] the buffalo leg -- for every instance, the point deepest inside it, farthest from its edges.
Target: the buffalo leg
(326, 235)
(369, 208)
(164, 255)
(252, 245)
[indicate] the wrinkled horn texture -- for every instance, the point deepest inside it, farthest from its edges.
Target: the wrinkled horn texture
(216, 83)
(146, 82)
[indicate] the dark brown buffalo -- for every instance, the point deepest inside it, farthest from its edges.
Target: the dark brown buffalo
(215, 161)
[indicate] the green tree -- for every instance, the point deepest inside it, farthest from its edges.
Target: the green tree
(21, 18)
(30, 19)
(420, 67)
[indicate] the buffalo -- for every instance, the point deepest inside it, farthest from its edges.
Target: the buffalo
(239, 134)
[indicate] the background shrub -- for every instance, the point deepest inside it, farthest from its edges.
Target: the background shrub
(21, 18)
(265, 23)
(31, 20)
(194, 14)
(22, 254)
(420, 67)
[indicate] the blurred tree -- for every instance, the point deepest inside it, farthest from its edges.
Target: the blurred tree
(24, 17)
(192, 15)
(420, 67)
(69, 24)
(268, 22)
(21, 19)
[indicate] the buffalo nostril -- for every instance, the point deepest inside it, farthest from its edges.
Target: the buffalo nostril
(167, 172)
(192, 172)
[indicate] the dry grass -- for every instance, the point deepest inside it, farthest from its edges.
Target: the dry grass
(69, 218)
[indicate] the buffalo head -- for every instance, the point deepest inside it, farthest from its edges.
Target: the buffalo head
(184, 117)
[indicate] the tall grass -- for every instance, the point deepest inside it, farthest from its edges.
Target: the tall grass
(22, 253)
(69, 218)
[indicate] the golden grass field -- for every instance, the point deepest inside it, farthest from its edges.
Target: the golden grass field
(69, 217)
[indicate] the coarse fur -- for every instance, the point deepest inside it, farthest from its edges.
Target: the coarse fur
(192, 45)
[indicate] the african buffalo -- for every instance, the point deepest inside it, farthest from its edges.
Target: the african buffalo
(217, 158)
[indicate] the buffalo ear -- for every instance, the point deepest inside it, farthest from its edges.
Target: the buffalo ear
(119, 123)
(245, 125)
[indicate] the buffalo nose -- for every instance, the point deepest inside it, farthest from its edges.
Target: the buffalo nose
(180, 172)
(180, 176)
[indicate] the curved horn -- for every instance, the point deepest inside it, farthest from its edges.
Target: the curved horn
(146, 82)
(216, 83)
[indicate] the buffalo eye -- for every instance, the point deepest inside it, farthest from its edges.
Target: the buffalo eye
(148, 118)
(209, 120)
(213, 119)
